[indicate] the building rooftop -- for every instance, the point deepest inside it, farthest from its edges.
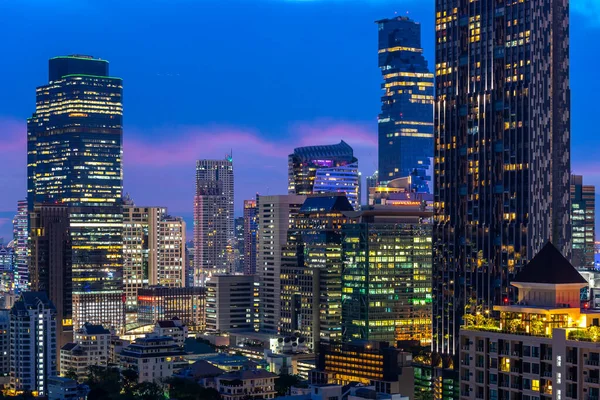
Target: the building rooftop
(248, 374)
(342, 149)
(326, 203)
(549, 266)
(30, 301)
(204, 369)
(69, 346)
(91, 329)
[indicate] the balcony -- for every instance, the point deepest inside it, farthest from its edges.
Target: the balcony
(590, 379)
(592, 362)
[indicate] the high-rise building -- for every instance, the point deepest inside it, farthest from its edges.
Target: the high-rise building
(74, 152)
(386, 280)
(583, 217)
(153, 251)
(4, 342)
(170, 270)
(51, 269)
(239, 243)
(324, 169)
(7, 273)
(502, 150)
(250, 236)
(213, 217)
(20, 235)
(544, 345)
(406, 118)
(230, 303)
(275, 214)
(311, 293)
(32, 343)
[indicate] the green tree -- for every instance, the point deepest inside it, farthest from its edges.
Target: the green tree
(424, 395)
(71, 374)
(148, 391)
(284, 382)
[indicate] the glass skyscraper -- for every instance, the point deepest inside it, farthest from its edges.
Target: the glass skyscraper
(74, 151)
(406, 119)
(502, 151)
(324, 169)
(583, 198)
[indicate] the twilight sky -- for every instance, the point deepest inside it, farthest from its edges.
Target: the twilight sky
(259, 77)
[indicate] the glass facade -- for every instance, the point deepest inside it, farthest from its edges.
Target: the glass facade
(502, 150)
(250, 236)
(406, 118)
(583, 201)
(74, 150)
(20, 243)
(324, 169)
(312, 269)
(386, 280)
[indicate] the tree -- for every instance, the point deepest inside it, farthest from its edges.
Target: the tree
(130, 380)
(71, 374)
(424, 395)
(148, 391)
(284, 382)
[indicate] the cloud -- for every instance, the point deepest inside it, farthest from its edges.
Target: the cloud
(161, 172)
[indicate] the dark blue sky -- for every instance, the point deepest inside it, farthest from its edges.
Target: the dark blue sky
(256, 76)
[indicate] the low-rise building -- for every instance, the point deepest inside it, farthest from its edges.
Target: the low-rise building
(386, 368)
(174, 328)
(66, 389)
(154, 358)
(244, 384)
(116, 345)
(90, 346)
(544, 346)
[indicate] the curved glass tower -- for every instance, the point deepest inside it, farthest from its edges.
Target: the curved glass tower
(324, 169)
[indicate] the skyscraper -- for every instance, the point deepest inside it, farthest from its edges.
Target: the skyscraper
(406, 118)
(51, 269)
(311, 293)
(213, 217)
(275, 215)
(20, 234)
(324, 169)
(74, 150)
(386, 280)
(250, 236)
(153, 251)
(583, 201)
(502, 150)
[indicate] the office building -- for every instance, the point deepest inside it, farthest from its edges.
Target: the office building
(230, 303)
(90, 346)
(406, 119)
(502, 150)
(250, 236)
(153, 358)
(583, 220)
(8, 263)
(274, 220)
(32, 344)
(324, 169)
(386, 368)
(153, 251)
(51, 264)
(386, 279)
(20, 235)
(158, 303)
(213, 217)
(311, 272)
(170, 252)
(542, 346)
(74, 156)
(239, 244)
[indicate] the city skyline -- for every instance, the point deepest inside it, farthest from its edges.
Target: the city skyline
(261, 140)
